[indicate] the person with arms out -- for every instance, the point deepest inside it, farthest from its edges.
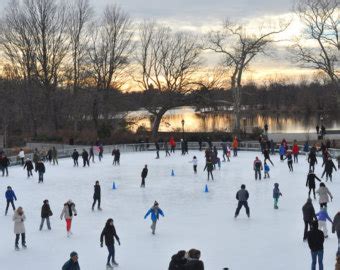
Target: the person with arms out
(242, 196)
(69, 210)
(324, 195)
(109, 233)
(310, 183)
(155, 211)
(322, 220)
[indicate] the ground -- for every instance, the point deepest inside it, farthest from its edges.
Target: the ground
(270, 239)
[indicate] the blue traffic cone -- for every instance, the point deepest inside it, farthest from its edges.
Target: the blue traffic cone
(206, 188)
(113, 185)
(172, 173)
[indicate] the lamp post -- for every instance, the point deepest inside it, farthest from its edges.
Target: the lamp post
(244, 124)
(183, 122)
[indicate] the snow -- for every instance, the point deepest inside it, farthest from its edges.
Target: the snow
(270, 239)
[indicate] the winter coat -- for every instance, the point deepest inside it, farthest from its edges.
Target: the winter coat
(315, 239)
(266, 153)
(312, 158)
(337, 264)
(40, 167)
(295, 149)
(177, 263)
(323, 215)
(282, 150)
(329, 165)
(235, 144)
(21, 154)
(258, 165)
(289, 157)
(242, 195)
(209, 166)
(157, 146)
(194, 264)
(68, 211)
(155, 212)
(324, 195)
(276, 192)
(308, 212)
(75, 155)
(85, 155)
(266, 168)
(54, 153)
(336, 223)
(71, 265)
(19, 226)
(109, 232)
(172, 142)
(10, 195)
(311, 180)
(96, 194)
(28, 165)
(46, 211)
(36, 157)
(4, 162)
(144, 173)
(306, 147)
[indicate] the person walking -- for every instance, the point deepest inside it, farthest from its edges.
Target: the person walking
(41, 170)
(54, 156)
(323, 216)
(308, 216)
(242, 196)
(10, 197)
(75, 156)
(257, 166)
(109, 233)
(209, 166)
(21, 156)
(96, 196)
(19, 227)
(310, 183)
(336, 229)
(29, 167)
(144, 175)
(46, 213)
(85, 156)
(72, 263)
(69, 210)
(155, 211)
(276, 195)
(315, 239)
(324, 195)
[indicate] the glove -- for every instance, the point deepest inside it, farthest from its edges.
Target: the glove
(75, 215)
(118, 242)
(101, 244)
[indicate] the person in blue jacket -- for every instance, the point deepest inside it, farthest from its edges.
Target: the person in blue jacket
(10, 197)
(155, 211)
(322, 220)
(266, 170)
(282, 151)
(276, 195)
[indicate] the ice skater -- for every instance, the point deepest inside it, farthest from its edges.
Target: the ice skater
(308, 216)
(91, 153)
(312, 160)
(257, 166)
(242, 196)
(144, 175)
(46, 213)
(54, 156)
(235, 146)
(19, 227)
(85, 157)
(324, 195)
(72, 263)
(157, 149)
(10, 197)
(40, 168)
(75, 156)
(289, 158)
(166, 148)
(96, 196)
(194, 164)
(296, 151)
(155, 211)
(267, 156)
(323, 216)
(4, 163)
(266, 171)
(315, 242)
(336, 229)
(209, 166)
(21, 156)
(276, 195)
(282, 151)
(329, 166)
(109, 233)
(69, 210)
(310, 183)
(29, 167)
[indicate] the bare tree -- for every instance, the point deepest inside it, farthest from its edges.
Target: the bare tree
(239, 46)
(319, 46)
(166, 63)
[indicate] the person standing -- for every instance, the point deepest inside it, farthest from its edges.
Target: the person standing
(257, 166)
(323, 216)
(36, 157)
(101, 152)
(276, 195)
(336, 229)
(315, 239)
(166, 148)
(10, 197)
(96, 196)
(19, 228)
(172, 143)
(69, 210)
(46, 213)
(109, 233)
(242, 196)
(282, 151)
(194, 262)
(41, 170)
(289, 158)
(72, 263)
(144, 175)
(324, 195)
(235, 146)
(54, 155)
(329, 166)
(308, 216)
(296, 151)
(75, 156)
(21, 156)
(317, 129)
(91, 154)
(312, 160)
(155, 211)
(209, 166)
(194, 164)
(4, 163)
(29, 167)
(266, 171)
(85, 156)
(311, 182)
(157, 149)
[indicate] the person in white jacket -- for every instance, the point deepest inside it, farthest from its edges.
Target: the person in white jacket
(21, 155)
(68, 212)
(324, 195)
(194, 163)
(19, 227)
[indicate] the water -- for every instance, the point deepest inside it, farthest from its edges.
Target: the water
(208, 122)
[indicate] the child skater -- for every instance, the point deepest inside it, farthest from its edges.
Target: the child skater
(266, 170)
(276, 195)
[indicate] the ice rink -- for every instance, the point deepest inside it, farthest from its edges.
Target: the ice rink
(269, 240)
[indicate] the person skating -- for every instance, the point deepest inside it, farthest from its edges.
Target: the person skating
(209, 166)
(36, 157)
(69, 210)
(91, 152)
(19, 227)
(4, 163)
(289, 158)
(312, 160)
(257, 166)
(266, 171)
(109, 233)
(157, 149)
(29, 167)
(235, 146)
(242, 196)
(276, 195)
(324, 195)
(194, 164)
(144, 175)
(41, 170)
(317, 129)
(172, 143)
(155, 211)
(308, 216)
(329, 166)
(116, 154)
(54, 155)
(336, 229)
(310, 183)
(10, 197)
(194, 262)
(182, 147)
(72, 263)
(96, 196)
(282, 151)
(21, 156)
(315, 239)
(323, 216)
(166, 148)
(267, 156)
(178, 261)
(46, 213)
(48, 156)
(85, 157)
(101, 152)
(75, 156)
(296, 151)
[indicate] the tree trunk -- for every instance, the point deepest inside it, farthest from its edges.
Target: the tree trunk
(157, 121)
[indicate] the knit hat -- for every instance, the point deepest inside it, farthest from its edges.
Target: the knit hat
(155, 203)
(73, 253)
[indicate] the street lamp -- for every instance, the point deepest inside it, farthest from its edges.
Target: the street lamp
(183, 122)
(244, 124)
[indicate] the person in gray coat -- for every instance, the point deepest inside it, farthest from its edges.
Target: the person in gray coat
(336, 228)
(19, 227)
(324, 195)
(242, 196)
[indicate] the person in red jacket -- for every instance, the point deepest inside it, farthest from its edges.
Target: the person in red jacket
(172, 144)
(295, 152)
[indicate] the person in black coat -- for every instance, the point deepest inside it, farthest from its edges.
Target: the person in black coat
(266, 155)
(315, 239)
(194, 262)
(144, 175)
(45, 214)
(29, 167)
(85, 157)
(308, 216)
(311, 182)
(96, 196)
(178, 261)
(157, 149)
(312, 160)
(91, 154)
(4, 163)
(75, 156)
(109, 232)
(329, 166)
(40, 168)
(72, 263)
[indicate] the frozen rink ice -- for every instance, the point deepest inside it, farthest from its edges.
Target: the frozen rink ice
(269, 240)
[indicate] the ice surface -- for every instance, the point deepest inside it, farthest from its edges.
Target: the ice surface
(270, 239)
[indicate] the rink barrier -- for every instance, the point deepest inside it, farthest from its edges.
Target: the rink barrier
(65, 150)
